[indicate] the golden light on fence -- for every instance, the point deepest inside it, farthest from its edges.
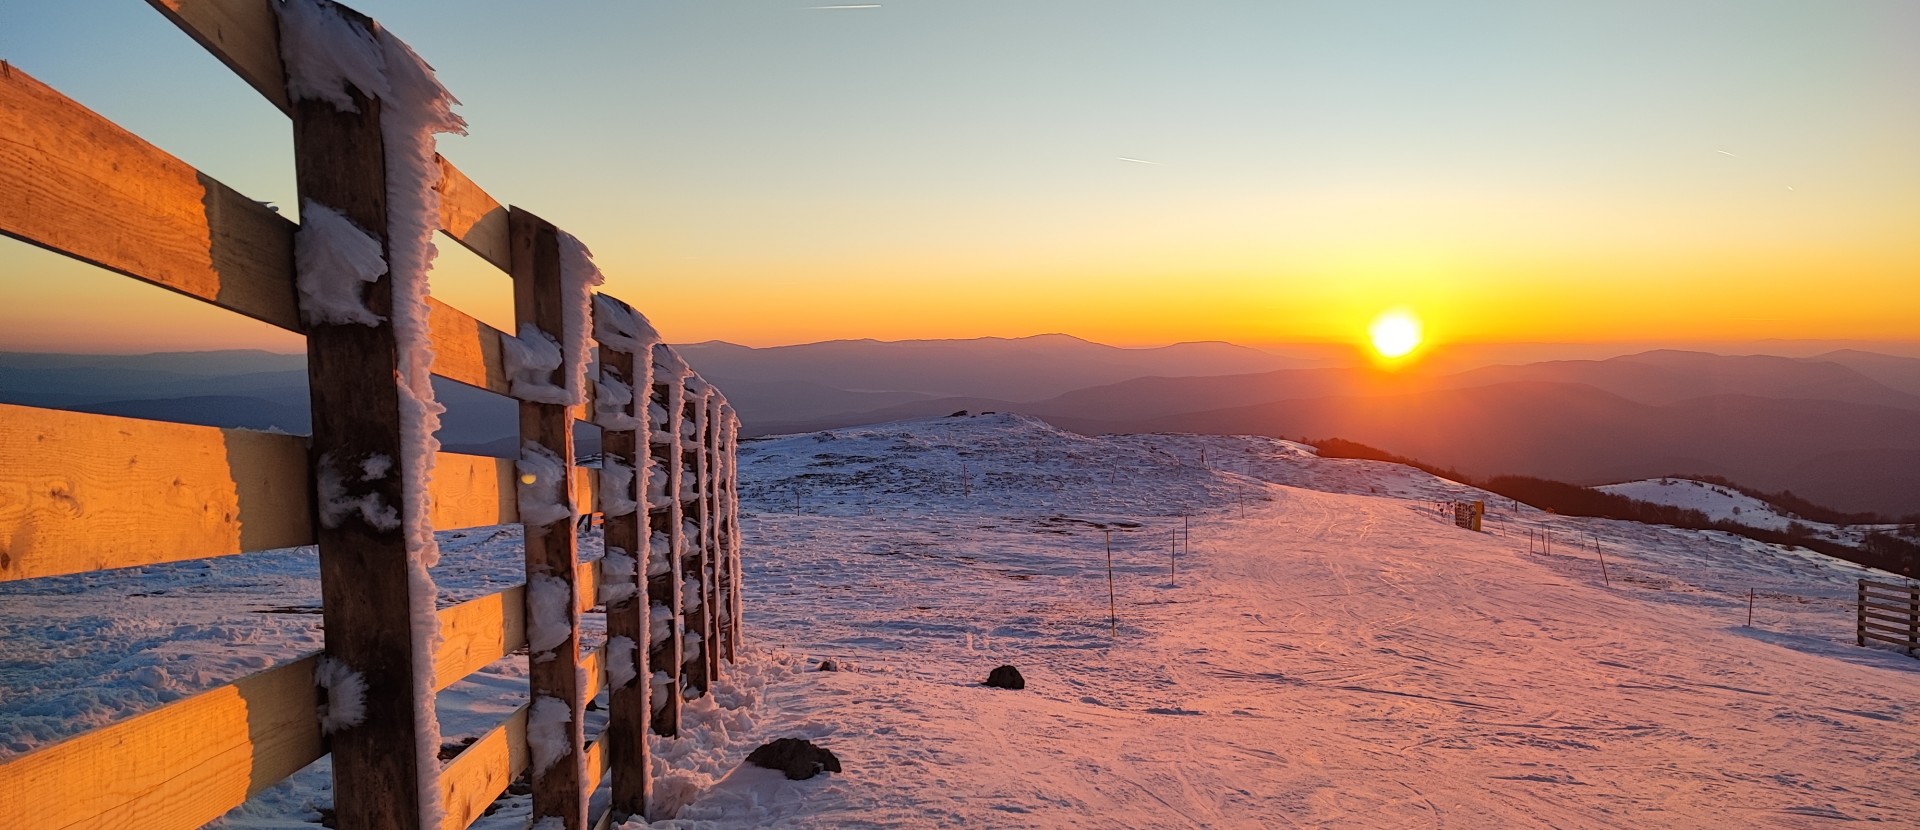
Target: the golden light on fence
(1394, 334)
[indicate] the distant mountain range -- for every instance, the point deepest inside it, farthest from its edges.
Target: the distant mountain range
(1840, 428)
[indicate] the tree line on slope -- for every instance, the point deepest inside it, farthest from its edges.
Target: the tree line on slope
(1883, 551)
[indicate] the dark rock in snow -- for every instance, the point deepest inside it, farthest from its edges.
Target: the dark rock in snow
(829, 665)
(1006, 677)
(961, 414)
(799, 759)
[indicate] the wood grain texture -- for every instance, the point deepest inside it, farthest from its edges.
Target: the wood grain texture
(367, 595)
(465, 349)
(552, 550)
(473, 779)
(481, 772)
(478, 632)
(472, 491)
(75, 183)
(473, 218)
(176, 767)
(82, 492)
(243, 34)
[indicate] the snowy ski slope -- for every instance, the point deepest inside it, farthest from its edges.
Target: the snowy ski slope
(1331, 652)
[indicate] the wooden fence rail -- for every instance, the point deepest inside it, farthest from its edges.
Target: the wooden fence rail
(91, 492)
(1889, 614)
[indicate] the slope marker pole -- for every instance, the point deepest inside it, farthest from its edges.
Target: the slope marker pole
(1113, 614)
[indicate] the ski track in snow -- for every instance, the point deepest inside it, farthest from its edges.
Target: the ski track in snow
(1331, 653)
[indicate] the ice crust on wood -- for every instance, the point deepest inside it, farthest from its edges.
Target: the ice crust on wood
(541, 492)
(346, 704)
(549, 618)
(334, 260)
(531, 359)
(549, 727)
(620, 660)
(619, 582)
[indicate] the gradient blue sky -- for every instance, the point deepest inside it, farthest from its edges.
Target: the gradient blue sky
(767, 173)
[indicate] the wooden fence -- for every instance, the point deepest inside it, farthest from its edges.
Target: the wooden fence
(1889, 614)
(87, 492)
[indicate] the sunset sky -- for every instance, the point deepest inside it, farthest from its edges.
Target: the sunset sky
(1132, 172)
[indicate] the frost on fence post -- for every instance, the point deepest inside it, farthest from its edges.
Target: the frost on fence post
(365, 113)
(733, 534)
(622, 387)
(666, 540)
(711, 553)
(696, 554)
(553, 284)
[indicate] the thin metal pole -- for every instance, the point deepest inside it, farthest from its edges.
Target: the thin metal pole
(1749, 607)
(1113, 613)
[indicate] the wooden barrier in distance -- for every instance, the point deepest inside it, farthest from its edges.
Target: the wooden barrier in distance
(1889, 613)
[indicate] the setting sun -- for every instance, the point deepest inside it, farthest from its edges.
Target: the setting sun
(1394, 334)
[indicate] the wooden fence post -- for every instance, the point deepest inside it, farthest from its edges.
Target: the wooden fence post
(1860, 616)
(696, 555)
(1913, 620)
(367, 596)
(731, 547)
(714, 558)
(625, 540)
(664, 540)
(553, 613)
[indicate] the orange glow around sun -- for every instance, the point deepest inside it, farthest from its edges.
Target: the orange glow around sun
(1394, 334)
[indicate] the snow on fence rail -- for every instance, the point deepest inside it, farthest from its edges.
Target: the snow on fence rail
(1889, 614)
(89, 492)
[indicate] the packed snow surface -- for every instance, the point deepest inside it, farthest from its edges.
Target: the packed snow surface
(1328, 650)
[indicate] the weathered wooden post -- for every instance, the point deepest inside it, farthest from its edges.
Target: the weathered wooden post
(694, 557)
(711, 553)
(361, 265)
(550, 309)
(620, 409)
(723, 533)
(734, 576)
(665, 539)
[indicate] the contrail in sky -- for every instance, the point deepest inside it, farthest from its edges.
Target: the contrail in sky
(1136, 161)
(1725, 153)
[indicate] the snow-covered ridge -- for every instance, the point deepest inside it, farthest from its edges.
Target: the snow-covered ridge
(1725, 504)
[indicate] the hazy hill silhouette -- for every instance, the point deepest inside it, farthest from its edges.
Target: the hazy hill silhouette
(1015, 369)
(1828, 451)
(1842, 428)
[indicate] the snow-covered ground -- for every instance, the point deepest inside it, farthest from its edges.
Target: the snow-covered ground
(1329, 651)
(1721, 503)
